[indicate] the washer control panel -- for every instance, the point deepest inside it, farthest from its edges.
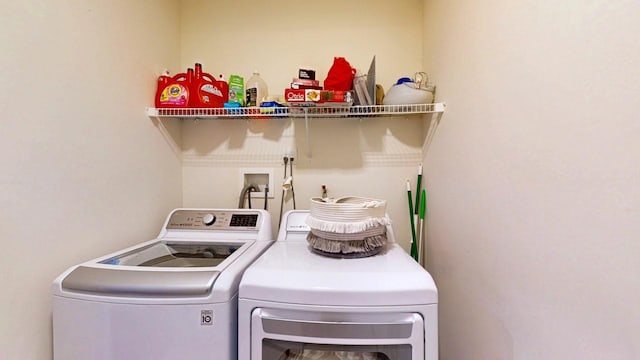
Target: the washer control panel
(214, 220)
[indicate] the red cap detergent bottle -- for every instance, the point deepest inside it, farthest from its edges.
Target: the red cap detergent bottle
(174, 92)
(209, 92)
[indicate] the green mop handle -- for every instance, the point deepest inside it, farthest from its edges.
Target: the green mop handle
(423, 205)
(418, 186)
(414, 246)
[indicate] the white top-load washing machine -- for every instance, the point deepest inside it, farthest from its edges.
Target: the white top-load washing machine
(296, 304)
(174, 297)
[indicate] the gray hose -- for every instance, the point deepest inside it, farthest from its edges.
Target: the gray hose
(246, 190)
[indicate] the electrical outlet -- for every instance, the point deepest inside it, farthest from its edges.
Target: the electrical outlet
(258, 177)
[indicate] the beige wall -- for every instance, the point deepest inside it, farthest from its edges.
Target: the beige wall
(371, 157)
(534, 180)
(532, 174)
(84, 171)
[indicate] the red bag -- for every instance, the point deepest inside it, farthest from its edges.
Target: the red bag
(340, 76)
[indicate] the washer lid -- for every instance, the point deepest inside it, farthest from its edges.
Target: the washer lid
(159, 268)
(288, 272)
(176, 254)
(116, 282)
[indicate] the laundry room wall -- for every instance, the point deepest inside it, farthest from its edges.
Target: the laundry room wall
(533, 178)
(84, 170)
(366, 157)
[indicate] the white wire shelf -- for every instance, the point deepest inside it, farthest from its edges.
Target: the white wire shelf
(297, 111)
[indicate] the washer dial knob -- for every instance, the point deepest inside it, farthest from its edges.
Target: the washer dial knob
(209, 219)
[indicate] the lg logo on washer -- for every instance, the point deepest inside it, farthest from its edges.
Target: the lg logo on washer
(206, 317)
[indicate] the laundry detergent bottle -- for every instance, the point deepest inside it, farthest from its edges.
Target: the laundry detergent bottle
(224, 87)
(255, 90)
(163, 82)
(174, 91)
(209, 92)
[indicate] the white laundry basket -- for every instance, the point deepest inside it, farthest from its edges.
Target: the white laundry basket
(347, 227)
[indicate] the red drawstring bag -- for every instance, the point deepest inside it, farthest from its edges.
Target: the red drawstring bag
(340, 76)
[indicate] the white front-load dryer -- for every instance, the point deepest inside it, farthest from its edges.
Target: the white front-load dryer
(297, 304)
(174, 297)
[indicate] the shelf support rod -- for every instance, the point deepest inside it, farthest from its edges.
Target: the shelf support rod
(433, 126)
(306, 129)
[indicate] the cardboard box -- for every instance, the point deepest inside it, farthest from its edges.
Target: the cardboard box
(305, 82)
(236, 89)
(336, 96)
(313, 97)
(300, 86)
(307, 74)
(301, 95)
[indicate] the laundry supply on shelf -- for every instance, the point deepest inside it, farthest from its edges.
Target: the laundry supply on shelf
(209, 92)
(198, 89)
(174, 92)
(307, 74)
(255, 90)
(312, 96)
(236, 89)
(336, 97)
(416, 90)
(298, 83)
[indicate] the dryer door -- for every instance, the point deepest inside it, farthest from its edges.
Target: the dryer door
(283, 335)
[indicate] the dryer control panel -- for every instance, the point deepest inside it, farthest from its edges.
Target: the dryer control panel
(214, 220)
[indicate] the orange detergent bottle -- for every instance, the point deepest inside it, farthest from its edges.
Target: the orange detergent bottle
(208, 92)
(174, 92)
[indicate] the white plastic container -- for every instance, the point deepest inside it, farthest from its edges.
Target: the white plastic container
(255, 90)
(407, 93)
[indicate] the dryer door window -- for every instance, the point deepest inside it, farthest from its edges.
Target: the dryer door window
(283, 335)
(284, 350)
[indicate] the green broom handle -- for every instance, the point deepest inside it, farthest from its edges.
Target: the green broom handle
(419, 184)
(414, 246)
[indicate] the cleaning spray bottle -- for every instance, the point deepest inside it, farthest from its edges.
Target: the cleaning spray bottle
(255, 90)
